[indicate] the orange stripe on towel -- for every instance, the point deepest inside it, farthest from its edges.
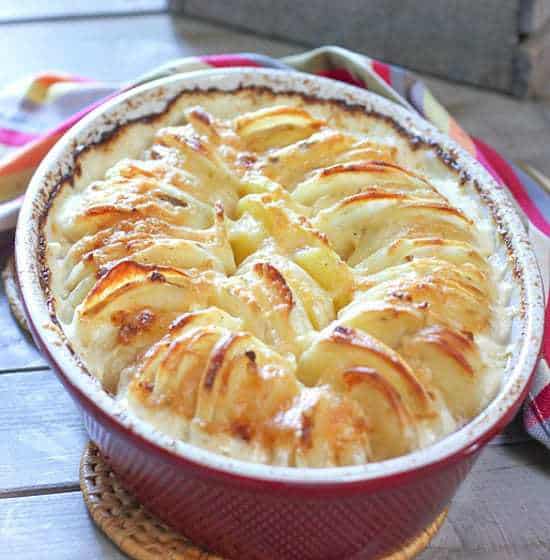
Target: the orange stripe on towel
(38, 88)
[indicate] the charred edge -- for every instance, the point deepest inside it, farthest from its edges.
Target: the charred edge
(452, 343)
(68, 179)
(101, 271)
(358, 374)
(344, 332)
(505, 236)
(183, 321)
(146, 386)
(283, 111)
(219, 210)
(308, 226)
(415, 242)
(270, 273)
(370, 166)
(373, 194)
(217, 358)
(443, 207)
(201, 116)
(172, 200)
(346, 335)
(131, 326)
(306, 431)
(156, 276)
(242, 430)
(247, 160)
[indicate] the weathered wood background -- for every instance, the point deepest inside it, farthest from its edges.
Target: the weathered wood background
(499, 44)
(502, 512)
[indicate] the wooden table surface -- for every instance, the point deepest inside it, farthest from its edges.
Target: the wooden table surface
(503, 509)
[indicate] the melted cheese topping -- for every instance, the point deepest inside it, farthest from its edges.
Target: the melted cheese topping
(280, 290)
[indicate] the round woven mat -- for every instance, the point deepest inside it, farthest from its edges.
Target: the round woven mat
(142, 536)
(12, 293)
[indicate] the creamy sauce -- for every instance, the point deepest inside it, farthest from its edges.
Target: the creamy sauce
(225, 328)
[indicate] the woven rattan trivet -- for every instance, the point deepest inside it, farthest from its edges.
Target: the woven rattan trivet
(9, 279)
(124, 520)
(143, 537)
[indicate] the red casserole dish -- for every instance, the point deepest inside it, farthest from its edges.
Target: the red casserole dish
(245, 510)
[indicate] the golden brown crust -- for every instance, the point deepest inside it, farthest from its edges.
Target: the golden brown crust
(205, 281)
(452, 343)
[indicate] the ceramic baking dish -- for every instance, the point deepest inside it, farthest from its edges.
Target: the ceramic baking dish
(250, 511)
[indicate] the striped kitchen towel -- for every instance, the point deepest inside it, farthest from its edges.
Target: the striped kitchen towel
(34, 114)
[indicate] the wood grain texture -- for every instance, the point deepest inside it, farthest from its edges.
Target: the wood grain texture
(472, 41)
(534, 61)
(502, 511)
(17, 350)
(519, 130)
(42, 439)
(119, 48)
(41, 434)
(54, 526)
(32, 10)
(533, 14)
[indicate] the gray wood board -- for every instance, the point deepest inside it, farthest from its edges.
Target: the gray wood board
(42, 439)
(471, 41)
(533, 15)
(17, 351)
(117, 49)
(519, 130)
(41, 434)
(534, 61)
(53, 526)
(30, 10)
(502, 511)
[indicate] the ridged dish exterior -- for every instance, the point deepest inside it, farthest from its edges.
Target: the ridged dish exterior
(262, 520)
(254, 515)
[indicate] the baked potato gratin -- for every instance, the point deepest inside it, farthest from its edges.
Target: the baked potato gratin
(293, 285)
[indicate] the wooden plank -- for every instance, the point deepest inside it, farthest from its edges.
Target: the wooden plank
(501, 512)
(55, 526)
(533, 14)
(470, 41)
(41, 434)
(33, 10)
(117, 49)
(17, 350)
(502, 509)
(534, 61)
(517, 129)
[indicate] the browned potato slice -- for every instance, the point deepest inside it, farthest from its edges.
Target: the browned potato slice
(275, 127)
(129, 309)
(332, 184)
